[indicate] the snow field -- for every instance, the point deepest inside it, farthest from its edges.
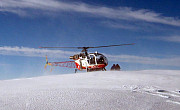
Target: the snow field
(122, 90)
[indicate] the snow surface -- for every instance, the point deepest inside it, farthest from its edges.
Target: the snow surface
(111, 90)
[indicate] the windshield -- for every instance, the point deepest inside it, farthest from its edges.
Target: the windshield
(97, 59)
(101, 59)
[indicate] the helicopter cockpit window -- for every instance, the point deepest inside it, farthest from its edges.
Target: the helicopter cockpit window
(92, 59)
(101, 59)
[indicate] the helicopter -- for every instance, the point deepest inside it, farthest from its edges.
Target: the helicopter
(84, 61)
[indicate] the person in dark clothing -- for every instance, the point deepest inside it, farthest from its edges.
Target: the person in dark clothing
(117, 67)
(113, 67)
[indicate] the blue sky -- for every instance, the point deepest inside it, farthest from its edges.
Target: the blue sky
(27, 24)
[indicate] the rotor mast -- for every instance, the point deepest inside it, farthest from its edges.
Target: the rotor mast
(85, 49)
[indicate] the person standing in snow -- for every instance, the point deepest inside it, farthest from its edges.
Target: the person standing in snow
(117, 67)
(113, 67)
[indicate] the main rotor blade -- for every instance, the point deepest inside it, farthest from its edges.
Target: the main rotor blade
(112, 45)
(59, 47)
(90, 47)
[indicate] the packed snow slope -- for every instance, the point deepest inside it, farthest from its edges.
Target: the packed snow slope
(111, 90)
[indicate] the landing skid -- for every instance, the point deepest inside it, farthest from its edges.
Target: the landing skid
(91, 70)
(97, 69)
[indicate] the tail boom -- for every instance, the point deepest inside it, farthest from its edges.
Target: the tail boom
(67, 64)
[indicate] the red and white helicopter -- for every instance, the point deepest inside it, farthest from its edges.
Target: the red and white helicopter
(84, 61)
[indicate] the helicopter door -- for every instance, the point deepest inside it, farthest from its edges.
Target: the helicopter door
(80, 61)
(92, 59)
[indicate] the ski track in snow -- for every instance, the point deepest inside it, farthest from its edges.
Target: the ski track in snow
(171, 96)
(124, 90)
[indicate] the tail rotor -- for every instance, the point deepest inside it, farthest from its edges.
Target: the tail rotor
(46, 63)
